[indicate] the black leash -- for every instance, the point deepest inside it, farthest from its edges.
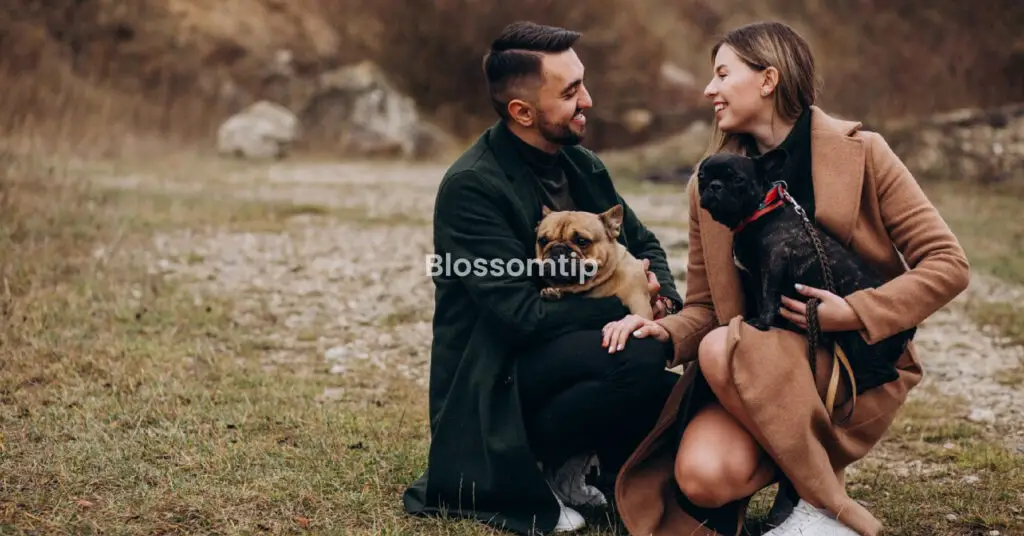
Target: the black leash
(814, 334)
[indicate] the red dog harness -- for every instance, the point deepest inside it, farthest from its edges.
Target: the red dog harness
(774, 199)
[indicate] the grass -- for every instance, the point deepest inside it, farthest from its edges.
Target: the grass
(128, 405)
(987, 221)
(967, 483)
(1007, 318)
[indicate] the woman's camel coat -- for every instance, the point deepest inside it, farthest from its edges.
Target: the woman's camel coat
(866, 197)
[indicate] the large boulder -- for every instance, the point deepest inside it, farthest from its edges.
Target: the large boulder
(263, 130)
(356, 110)
(984, 145)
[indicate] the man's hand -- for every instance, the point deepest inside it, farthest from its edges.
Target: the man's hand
(653, 287)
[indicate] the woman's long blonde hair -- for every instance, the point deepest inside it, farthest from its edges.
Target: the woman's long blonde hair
(771, 44)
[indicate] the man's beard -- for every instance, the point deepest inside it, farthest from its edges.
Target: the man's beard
(559, 133)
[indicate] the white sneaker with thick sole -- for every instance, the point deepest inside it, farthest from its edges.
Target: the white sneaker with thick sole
(807, 520)
(569, 520)
(570, 485)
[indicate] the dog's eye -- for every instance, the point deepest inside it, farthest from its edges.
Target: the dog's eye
(738, 178)
(582, 242)
(542, 241)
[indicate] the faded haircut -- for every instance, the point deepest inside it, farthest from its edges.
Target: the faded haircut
(514, 59)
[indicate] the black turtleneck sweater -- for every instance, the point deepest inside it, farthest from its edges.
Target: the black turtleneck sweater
(797, 171)
(549, 177)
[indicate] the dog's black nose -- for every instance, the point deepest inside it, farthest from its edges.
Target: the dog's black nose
(715, 187)
(559, 250)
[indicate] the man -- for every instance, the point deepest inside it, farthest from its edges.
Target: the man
(523, 395)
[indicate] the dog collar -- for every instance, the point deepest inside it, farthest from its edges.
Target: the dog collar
(774, 199)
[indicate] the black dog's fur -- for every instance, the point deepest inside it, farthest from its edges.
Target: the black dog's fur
(776, 252)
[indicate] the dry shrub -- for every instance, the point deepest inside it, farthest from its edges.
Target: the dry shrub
(106, 71)
(879, 59)
(172, 69)
(435, 49)
(914, 57)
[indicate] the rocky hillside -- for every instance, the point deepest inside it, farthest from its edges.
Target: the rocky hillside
(180, 67)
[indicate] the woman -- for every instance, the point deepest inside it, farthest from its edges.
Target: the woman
(745, 413)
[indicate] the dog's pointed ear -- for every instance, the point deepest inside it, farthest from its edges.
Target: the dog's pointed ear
(771, 164)
(612, 219)
(544, 211)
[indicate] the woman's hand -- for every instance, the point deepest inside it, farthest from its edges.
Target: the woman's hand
(616, 333)
(834, 313)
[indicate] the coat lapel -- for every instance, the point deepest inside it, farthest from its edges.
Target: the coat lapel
(837, 170)
(503, 147)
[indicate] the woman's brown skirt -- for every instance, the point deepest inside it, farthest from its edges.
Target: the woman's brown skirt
(773, 380)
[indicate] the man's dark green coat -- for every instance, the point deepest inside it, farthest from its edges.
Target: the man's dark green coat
(487, 208)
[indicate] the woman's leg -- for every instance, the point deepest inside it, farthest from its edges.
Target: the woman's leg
(718, 461)
(714, 365)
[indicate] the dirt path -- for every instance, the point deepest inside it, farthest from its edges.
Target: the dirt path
(345, 282)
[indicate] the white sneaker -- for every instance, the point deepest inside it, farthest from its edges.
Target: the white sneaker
(569, 520)
(570, 485)
(807, 520)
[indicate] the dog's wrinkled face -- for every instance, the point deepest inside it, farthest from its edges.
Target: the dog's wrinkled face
(732, 186)
(573, 246)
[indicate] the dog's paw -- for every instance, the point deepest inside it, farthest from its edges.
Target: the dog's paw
(550, 293)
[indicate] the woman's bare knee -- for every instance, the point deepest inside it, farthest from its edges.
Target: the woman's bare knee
(704, 481)
(718, 461)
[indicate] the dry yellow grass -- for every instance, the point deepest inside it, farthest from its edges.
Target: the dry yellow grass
(130, 403)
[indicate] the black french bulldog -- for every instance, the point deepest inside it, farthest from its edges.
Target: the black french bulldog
(773, 248)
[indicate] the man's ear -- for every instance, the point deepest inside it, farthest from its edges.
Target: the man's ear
(522, 112)
(612, 219)
(771, 164)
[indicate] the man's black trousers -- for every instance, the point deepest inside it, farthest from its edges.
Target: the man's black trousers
(577, 398)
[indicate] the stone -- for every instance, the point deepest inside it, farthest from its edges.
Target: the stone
(263, 130)
(982, 145)
(337, 353)
(331, 394)
(982, 415)
(357, 110)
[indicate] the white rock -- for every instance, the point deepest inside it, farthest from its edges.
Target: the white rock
(337, 353)
(970, 479)
(982, 415)
(261, 131)
(358, 108)
(331, 393)
(950, 517)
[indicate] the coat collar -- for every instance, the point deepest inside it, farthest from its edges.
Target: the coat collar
(577, 170)
(837, 172)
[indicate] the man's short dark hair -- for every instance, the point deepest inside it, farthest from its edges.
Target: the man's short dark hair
(515, 56)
